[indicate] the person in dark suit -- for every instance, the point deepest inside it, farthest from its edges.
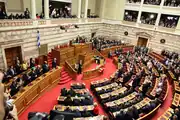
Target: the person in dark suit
(18, 67)
(45, 67)
(11, 71)
(38, 71)
(68, 100)
(14, 88)
(32, 63)
(86, 113)
(27, 14)
(79, 67)
(54, 63)
(120, 116)
(77, 112)
(76, 102)
(71, 92)
(33, 75)
(26, 79)
(64, 92)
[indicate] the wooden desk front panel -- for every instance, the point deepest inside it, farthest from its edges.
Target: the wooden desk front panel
(44, 83)
(31, 94)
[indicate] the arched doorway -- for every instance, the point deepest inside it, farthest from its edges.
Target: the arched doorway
(143, 39)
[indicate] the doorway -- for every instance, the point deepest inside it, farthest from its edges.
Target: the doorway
(11, 54)
(142, 42)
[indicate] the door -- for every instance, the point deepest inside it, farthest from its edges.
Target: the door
(11, 54)
(142, 42)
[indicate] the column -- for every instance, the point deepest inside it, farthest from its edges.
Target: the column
(86, 8)
(159, 13)
(140, 11)
(46, 9)
(79, 8)
(33, 9)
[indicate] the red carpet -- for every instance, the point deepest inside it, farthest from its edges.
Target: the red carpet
(47, 100)
(166, 104)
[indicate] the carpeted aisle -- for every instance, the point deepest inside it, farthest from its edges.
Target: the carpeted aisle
(47, 100)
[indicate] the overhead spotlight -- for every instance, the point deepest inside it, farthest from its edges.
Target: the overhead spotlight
(126, 13)
(152, 16)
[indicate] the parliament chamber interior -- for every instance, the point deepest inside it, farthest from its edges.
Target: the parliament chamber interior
(89, 60)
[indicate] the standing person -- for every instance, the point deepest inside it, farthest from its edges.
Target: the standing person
(45, 67)
(24, 66)
(2, 14)
(54, 63)
(32, 63)
(27, 13)
(80, 67)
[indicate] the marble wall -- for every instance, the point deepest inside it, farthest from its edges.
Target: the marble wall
(117, 31)
(52, 36)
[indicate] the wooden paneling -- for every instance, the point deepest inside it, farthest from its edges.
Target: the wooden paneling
(32, 91)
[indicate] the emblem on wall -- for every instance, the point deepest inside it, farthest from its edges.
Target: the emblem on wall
(162, 41)
(126, 33)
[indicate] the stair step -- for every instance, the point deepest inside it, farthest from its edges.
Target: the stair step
(64, 75)
(64, 79)
(63, 82)
(64, 72)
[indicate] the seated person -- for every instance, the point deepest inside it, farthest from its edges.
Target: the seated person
(32, 63)
(86, 113)
(64, 92)
(24, 66)
(26, 79)
(68, 110)
(68, 100)
(38, 71)
(18, 67)
(33, 74)
(71, 92)
(110, 54)
(11, 71)
(14, 88)
(76, 101)
(45, 67)
(77, 112)
(158, 91)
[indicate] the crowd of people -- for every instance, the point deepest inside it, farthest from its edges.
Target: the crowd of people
(152, 2)
(168, 21)
(134, 1)
(127, 110)
(23, 74)
(148, 18)
(73, 98)
(101, 43)
(172, 62)
(131, 16)
(172, 3)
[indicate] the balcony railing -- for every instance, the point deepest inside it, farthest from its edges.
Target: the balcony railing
(25, 23)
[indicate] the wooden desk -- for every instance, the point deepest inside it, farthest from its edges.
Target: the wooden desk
(121, 100)
(112, 85)
(100, 81)
(93, 73)
(99, 117)
(139, 105)
(33, 90)
(113, 93)
(80, 108)
(176, 100)
(166, 114)
(176, 86)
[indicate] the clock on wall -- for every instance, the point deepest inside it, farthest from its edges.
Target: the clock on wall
(126, 33)
(162, 41)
